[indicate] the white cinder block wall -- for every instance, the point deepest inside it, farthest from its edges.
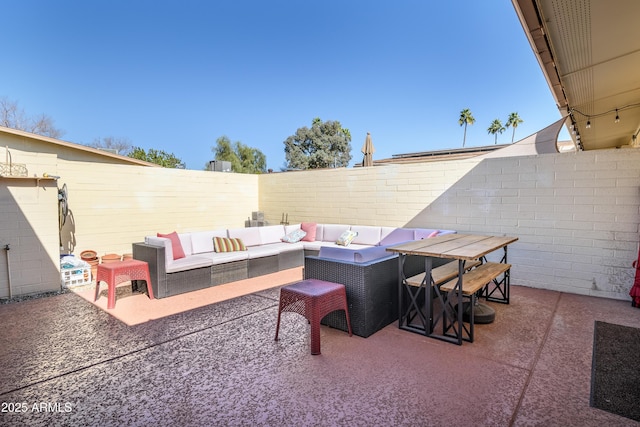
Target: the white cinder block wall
(576, 215)
(114, 206)
(111, 206)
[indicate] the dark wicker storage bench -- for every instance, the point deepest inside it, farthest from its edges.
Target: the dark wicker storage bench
(372, 290)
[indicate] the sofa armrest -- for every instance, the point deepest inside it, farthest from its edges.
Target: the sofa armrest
(154, 256)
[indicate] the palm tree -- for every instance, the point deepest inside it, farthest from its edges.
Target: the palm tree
(466, 118)
(495, 128)
(514, 120)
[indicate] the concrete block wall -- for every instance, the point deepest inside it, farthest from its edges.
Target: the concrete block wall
(28, 225)
(576, 215)
(113, 206)
(383, 195)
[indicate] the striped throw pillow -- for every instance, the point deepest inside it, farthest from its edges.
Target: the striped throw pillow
(225, 244)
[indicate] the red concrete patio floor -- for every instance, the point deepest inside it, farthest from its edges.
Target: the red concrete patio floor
(66, 361)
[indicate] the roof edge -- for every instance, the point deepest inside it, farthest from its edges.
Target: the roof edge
(75, 146)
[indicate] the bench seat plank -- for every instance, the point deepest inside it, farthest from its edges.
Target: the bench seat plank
(443, 273)
(477, 278)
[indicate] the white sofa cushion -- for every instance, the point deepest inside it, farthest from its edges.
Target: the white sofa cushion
(385, 231)
(185, 241)
(224, 257)
(250, 236)
(271, 234)
(316, 246)
(202, 241)
(263, 251)
(288, 247)
(188, 263)
(332, 232)
(290, 228)
(367, 234)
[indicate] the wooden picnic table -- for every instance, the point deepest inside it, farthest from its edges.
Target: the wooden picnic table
(462, 248)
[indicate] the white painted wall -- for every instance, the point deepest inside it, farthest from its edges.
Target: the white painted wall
(576, 215)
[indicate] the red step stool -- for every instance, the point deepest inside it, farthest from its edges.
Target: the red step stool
(313, 299)
(114, 273)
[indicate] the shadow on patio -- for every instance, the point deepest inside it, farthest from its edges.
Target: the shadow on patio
(218, 364)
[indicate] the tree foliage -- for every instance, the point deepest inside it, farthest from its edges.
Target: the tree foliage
(243, 159)
(513, 121)
(495, 128)
(12, 116)
(466, 118)
(159, 157)
(324, 145)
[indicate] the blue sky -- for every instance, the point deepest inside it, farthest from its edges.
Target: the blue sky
(177, 75)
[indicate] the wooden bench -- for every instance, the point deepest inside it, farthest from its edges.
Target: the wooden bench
(477, 278)
(442, 274)
(473, 281)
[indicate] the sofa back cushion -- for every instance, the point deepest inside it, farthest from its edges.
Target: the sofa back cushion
(291, 227)
(202, 241)
(250, 236)
(385, 231)
(332, 232)
(271, 234)
(367, 234)
(185, 242)
(399, 235)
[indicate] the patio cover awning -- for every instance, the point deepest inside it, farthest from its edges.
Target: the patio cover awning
(544, 141)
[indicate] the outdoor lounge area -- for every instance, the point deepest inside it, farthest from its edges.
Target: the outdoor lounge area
(561, 345)
(200, 362)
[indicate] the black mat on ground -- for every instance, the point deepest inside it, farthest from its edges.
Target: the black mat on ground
(615, 371)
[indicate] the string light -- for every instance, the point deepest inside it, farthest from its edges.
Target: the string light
(604, 113)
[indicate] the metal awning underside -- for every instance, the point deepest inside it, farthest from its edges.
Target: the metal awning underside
(589, 52)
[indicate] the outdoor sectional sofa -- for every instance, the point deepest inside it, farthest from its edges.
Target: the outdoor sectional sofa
(202, 267)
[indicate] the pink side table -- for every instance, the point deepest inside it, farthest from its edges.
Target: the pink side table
(114, 273)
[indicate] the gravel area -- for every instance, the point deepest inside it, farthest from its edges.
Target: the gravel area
(45, 294)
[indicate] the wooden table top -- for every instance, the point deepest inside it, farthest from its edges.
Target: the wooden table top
(457, 246)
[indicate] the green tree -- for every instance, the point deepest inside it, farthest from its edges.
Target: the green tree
(324, 145)
(466, 118)
(243, 158)
(159, 157)
(513, 121)
(495, 128)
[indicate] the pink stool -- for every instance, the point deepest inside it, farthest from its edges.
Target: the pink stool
(114, 273)
(313, 299)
